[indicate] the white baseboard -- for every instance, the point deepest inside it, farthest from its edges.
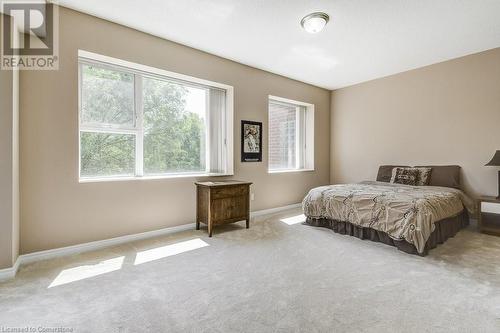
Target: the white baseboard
(97, 245)
(273, 210)
(9, 273)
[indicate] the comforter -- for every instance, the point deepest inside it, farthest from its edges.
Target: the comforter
(401, 211)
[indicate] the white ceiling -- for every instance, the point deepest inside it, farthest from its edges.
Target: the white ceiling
(364, 40)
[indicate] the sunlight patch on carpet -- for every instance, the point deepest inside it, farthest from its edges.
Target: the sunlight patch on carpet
(169, 250)
(294, 219)
(87, 271)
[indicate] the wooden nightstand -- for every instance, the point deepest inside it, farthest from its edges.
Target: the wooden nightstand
(488, 209)
(222, 202)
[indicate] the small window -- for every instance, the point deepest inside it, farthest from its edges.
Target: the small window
(138, 121)
(291, 135)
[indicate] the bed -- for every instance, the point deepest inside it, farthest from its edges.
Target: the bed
(412, 218)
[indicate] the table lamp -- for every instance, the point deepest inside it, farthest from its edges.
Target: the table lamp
(495, 161)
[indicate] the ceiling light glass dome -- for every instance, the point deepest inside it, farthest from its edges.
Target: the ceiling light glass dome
(315, 22)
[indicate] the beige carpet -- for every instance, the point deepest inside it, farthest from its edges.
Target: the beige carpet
(274, 277)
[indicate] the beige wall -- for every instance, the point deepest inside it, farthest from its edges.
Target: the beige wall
(5, 168)
(16, 197)
(58, 211)
(447, 113)
(9, 167)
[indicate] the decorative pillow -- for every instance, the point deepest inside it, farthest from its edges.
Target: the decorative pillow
(411, 176)
(444, 175)
(406, 176)
(424, 176)
(385, 172)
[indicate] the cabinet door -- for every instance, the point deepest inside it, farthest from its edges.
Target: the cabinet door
(229, 209)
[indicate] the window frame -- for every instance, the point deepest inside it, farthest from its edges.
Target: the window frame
(304, 144)
(139, 71)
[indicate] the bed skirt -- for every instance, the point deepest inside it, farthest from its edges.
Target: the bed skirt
(445, 229)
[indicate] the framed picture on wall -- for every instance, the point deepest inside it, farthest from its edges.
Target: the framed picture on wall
(251, 141)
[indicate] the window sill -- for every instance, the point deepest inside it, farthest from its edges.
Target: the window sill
(135, 178)
(289, 170)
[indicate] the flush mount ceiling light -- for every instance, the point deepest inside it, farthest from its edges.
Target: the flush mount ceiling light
(314, 22)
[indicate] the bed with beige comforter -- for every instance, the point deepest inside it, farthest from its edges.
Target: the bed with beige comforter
(402, 212)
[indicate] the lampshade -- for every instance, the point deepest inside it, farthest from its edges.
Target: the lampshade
(495, 161)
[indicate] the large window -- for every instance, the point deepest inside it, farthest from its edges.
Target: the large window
(138, 121)
(291, 135)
